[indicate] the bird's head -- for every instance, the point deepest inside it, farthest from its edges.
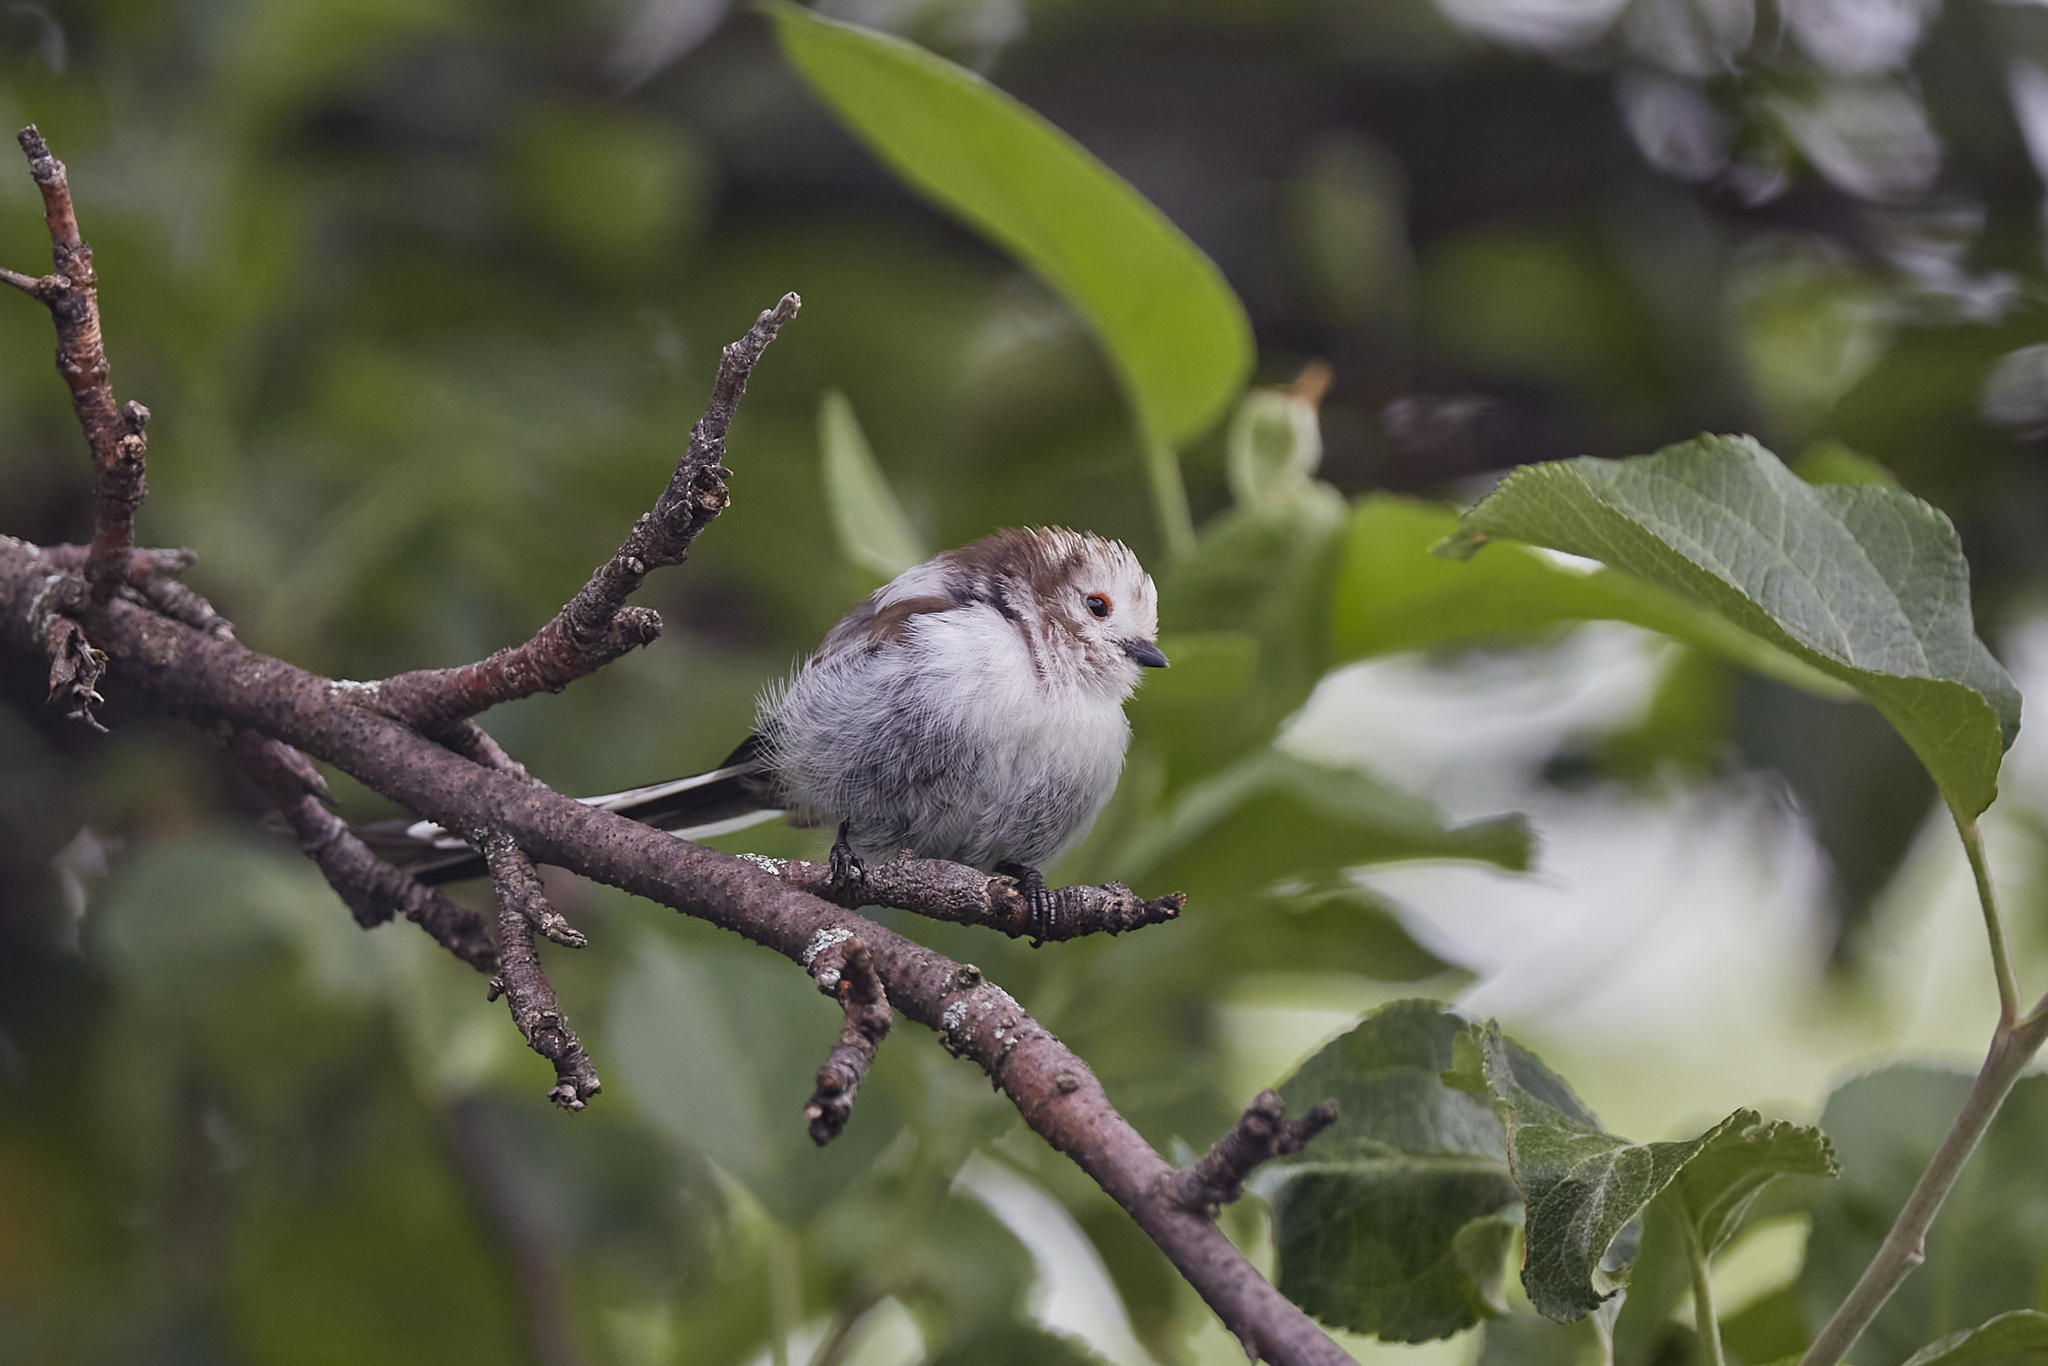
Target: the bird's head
(1089, 599)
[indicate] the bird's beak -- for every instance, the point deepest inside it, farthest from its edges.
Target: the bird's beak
(1146, 653)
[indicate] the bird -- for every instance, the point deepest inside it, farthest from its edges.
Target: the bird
(971, 709)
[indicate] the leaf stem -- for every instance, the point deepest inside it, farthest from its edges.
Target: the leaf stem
(1994, 929)
(1905, 1247)
(1169, 498)
(1704, 1317)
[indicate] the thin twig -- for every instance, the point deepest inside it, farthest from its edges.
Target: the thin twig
(372, 889)
(596, 626)
(844, 972)
(522, 906)
(953, 891)
(114, 434)
(1262, 1133)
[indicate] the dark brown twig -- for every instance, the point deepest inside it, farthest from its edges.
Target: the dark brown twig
(968, 896)
(1054, 1091)
(151, 581)
(844, 972)
(1262, 1133)
(471, 741)
(372, 889)
(523, 906)
(596, 626)
(180, 603)
(114, 434)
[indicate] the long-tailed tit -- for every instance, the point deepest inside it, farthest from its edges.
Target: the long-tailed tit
(972, 709)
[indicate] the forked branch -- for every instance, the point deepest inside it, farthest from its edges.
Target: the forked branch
(844, 971)
(372, 889)
(596, 626)
(522, 906)
(1261, 1134)
(1053, 1089)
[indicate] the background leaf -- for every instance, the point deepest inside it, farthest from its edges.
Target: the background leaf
(1862, 581)
(1273, 817)
(719, 1050)
(1172, 328)
(2020, 1331)
(873, 532)
(1171, 325)
(1987, 1250)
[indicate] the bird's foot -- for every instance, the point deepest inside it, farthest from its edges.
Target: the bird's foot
(842, 866)
(1040, 901)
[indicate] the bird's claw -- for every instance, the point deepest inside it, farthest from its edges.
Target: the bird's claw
(842, 866)
(1040, 901)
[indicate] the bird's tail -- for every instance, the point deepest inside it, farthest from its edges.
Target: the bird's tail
(730, 797)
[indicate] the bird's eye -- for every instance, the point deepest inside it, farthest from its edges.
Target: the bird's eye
(1098, 604)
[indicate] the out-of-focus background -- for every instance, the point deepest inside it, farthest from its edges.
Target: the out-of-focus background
(424, 296)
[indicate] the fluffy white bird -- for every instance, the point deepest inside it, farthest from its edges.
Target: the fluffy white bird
(972, 709)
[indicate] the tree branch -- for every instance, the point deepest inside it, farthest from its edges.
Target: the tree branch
(195, 673)
(596, 626)
(372, 889)
(844, 972)
(1262, 1133)
(522, 908)
(953, 891)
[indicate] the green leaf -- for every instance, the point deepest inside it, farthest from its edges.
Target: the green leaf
(1709, 1201)
(1392, 595)
(1986, 1249)
(1275, 819)
(1173, 331)
(873, 532)
(1387, 1222)
(2009, 1335)
(1583, 1185)
(1715, 1189)
(1863, 582)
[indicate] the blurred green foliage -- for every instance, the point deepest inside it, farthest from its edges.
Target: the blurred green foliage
(424, 297)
